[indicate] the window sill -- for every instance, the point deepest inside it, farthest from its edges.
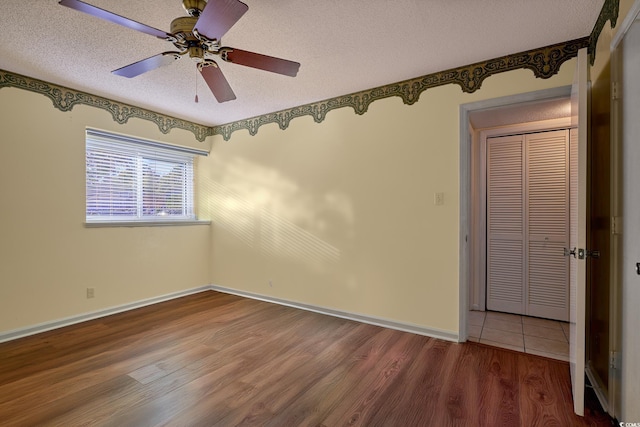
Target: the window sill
(152, 223)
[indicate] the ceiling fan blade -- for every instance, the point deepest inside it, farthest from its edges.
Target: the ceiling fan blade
(148, 64)
(112, 17)
(218, 16)
(262, 62)
(216, 81)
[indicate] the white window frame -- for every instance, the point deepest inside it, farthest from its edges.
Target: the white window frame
(134, 151)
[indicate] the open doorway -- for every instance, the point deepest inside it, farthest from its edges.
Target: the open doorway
(504, 113)
(519, 223)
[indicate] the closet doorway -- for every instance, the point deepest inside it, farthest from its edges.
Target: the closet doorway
(520, 224)
(520, 202)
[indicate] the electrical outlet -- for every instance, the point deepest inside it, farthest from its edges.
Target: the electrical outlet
(91, 292)
(438, 199)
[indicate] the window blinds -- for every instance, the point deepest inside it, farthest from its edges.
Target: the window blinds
(130, 179)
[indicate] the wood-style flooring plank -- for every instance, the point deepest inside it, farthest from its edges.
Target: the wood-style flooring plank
(541, 403)
(499, 388)
(213, 359)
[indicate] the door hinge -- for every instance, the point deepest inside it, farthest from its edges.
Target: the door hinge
(614, 360)
(615, 90)
(616, 225)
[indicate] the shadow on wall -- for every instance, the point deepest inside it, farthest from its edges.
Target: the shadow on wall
(271, 214)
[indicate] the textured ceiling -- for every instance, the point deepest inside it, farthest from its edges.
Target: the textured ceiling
(343, 46)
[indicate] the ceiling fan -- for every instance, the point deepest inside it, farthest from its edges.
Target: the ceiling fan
(199, 36)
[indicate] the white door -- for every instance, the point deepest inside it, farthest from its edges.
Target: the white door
(547, 220)
(578, 227)
(528, 224)
(505, 224)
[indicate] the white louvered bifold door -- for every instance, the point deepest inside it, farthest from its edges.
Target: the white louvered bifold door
(505, 224)
(547, 290)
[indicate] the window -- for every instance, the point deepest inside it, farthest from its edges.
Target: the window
(131, 179)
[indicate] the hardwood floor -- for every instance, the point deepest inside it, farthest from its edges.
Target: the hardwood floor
(213, 359)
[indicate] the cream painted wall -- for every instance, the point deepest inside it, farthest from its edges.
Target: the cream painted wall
(47, 257)
(341, 214)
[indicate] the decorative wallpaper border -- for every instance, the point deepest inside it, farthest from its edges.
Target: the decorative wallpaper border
(544, 62)
(610, 11)
(65, 99)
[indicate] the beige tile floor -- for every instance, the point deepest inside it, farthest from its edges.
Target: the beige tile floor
(532, 335)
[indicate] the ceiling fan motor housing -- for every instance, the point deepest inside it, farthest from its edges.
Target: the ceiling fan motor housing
(182, 28)
(194, 7)
(186, 40)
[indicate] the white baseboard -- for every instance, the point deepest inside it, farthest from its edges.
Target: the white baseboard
(385, 323)
(47, 326)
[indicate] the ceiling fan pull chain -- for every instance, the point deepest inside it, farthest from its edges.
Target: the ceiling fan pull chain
(196, 99)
